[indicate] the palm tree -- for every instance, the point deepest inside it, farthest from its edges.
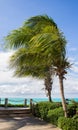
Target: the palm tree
(56, 52)
(55, 49)
(23, 38)
(25, 65)
(60, 66)
(53, 45)
(61, 71)
(42, 38)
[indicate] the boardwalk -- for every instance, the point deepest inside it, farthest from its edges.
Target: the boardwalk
(24, 123)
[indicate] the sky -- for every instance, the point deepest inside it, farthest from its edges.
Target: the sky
(13, 13)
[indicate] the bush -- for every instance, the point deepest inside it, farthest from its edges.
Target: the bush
(76, 110)
(41, 109)
(13, 105)
(75, 117)
(53, 115)
(36, 110)
(67, 123)
(71, 110)
(74, 102)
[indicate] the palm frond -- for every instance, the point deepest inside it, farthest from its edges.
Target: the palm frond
(39, 20)
(19, 37)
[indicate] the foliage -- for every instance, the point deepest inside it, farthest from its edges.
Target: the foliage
(42, 108)
(53, 115)
(29, 59)
(71, 110)
(13, 105)
(45, 50)
(67, 123)
(75, 117)
(77, 110)
(74, 102)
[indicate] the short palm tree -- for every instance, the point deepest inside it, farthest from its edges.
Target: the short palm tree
(25, 65)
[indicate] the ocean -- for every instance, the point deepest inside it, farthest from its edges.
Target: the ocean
(35, 100)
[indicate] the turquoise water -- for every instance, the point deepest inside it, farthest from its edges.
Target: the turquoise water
(21, 100)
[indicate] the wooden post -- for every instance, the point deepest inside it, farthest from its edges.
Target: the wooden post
(6, 102)
(25, 102)
(0, 100)
(31, 105)
(33, 111)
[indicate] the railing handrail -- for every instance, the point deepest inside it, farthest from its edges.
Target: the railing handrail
(7, 100)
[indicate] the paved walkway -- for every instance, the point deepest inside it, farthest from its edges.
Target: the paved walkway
(25, 123)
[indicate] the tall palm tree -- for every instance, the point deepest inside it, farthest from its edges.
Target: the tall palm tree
(42, 38)
(61, 66)
(56, 51)
(61, 70)
(23, 38)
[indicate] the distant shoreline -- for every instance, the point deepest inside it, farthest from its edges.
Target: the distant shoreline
(21, 100)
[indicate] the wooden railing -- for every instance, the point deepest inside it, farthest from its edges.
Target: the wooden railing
(11, 101)
(5, 102)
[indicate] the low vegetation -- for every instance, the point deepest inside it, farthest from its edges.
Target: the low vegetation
(41, 109)
(53, 113)
(13, 105)
(67, 123)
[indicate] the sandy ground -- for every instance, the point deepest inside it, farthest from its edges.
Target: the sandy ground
(25, 123)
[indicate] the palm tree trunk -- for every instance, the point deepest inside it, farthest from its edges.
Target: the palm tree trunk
(62, 95)
(49, 96)
(48, 87)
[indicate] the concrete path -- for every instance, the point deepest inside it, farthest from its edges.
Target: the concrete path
(25, 123)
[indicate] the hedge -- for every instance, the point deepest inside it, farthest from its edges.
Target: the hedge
(53, 115)
(71, 108)
(75, 117)
(67, 123)
(41, 109)
(14, 105)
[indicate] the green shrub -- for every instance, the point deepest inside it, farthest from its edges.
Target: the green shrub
(67, 123)
(53, 115)
(74, 102)
(41, 109)
(71, 110)
(1, 105)
(36, 110)
(75, 117)
(76, 110)
(13, 105)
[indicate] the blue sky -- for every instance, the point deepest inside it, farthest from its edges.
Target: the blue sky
(13, 13)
